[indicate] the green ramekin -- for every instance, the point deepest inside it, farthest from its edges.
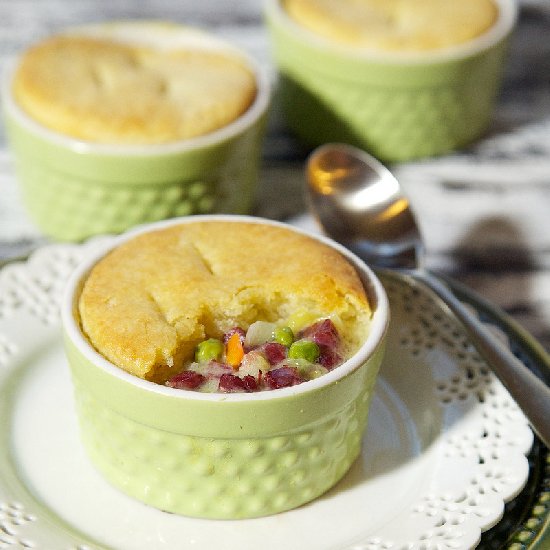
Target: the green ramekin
(74, 189)
(225, 456)
(397, 106)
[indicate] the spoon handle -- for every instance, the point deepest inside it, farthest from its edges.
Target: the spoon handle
(530, 393)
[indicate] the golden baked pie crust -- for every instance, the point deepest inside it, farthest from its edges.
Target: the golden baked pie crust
(148, 303)
(395, 25)
(107, 91)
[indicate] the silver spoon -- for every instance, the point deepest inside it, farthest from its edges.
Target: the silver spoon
(359, 203)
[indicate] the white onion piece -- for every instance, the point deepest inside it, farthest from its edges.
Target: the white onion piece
(259, 333)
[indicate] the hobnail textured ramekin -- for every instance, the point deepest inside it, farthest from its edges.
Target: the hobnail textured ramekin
(398, 106)
(222, 455)
(74, 189)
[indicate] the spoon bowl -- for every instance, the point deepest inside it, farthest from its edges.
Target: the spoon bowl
(346, 182)
(359, 203)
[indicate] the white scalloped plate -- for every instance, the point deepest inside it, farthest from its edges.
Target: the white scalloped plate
(445, 447)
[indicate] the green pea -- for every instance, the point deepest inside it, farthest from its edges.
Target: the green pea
(304, 349)
(208, 350)
(283, 335)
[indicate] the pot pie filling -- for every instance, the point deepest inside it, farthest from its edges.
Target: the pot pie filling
(267, 356)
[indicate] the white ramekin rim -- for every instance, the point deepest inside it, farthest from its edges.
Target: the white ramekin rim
(234, 128)
(507, 17)
(377, 329)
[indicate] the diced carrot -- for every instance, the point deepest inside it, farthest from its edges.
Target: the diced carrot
(234, 351)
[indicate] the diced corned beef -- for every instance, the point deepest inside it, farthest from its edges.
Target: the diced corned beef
(274, 352)
(329, 358)
(250, 383)
(282, 377)
(233, 383)
(186, 380)
(230, 382)
(323, 333)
